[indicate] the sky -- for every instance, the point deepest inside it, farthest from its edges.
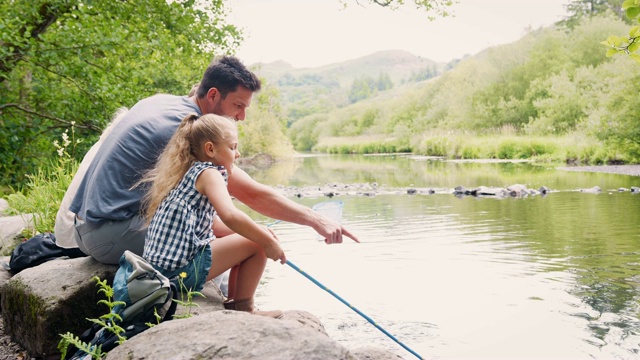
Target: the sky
(311, 33)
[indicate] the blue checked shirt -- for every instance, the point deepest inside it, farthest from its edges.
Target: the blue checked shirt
(182, 223)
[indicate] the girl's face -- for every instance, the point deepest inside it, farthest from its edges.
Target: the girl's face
(225, 152)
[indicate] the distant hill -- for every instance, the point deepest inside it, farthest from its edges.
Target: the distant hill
(400, 65)
(322, 89)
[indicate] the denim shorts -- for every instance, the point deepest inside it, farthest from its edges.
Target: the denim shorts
(196, 271)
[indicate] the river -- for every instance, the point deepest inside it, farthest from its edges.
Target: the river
(538, 276)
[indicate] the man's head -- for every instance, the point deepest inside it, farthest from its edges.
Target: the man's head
(227, 88)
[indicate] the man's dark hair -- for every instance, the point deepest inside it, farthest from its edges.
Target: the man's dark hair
(226, 73)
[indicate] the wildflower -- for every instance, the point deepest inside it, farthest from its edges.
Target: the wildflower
(65, 138)
(183, 274)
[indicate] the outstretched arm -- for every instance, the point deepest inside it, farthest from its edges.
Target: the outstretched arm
(269, 202)
(211, 184)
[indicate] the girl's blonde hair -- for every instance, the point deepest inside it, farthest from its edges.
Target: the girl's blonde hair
(180, 154)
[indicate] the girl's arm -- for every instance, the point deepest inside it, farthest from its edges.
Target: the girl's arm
(211, 184)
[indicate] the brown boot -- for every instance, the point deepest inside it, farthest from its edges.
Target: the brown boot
(247, 305)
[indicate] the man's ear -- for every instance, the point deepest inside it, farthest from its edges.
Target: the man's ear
(213, 94)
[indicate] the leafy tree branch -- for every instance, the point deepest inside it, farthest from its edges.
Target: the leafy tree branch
(627, 44)
(438, 7)
(66, 123)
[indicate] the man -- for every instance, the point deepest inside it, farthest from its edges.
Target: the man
(108, 204)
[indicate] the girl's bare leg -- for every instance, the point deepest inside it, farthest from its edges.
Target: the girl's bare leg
(233, 280)
(250, 259)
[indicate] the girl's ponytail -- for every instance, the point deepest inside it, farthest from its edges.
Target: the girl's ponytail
(175, 160)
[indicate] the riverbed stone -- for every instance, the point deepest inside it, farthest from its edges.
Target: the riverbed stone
(544, 190)
(593, 190)
(518, 190)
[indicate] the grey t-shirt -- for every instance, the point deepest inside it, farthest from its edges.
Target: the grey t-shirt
(131, 149)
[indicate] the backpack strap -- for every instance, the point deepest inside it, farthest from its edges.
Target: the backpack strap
(174, 304)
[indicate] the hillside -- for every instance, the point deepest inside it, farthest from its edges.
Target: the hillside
(311, 90)
(400, 65)
(554, 94)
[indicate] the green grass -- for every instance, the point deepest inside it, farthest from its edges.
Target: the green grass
(44, 191)
(574, 148)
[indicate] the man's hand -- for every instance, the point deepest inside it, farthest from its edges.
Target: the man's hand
(333, 232)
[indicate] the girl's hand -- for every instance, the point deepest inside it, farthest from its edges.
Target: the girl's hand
(275, 252)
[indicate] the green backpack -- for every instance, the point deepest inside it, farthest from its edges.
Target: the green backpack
(145, 292)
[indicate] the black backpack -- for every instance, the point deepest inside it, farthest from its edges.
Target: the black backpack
(33, 252)
(37, 250)
(145, 291)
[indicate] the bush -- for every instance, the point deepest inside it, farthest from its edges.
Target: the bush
(45, 189)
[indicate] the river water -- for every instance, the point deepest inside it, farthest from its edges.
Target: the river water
(553, 276)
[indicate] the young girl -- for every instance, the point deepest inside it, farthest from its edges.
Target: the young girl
(188, 188)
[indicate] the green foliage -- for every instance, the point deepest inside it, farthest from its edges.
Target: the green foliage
(110, 320)
(304, 133)
(71, 63)
(434, 8)
(374, 147)
(107, 321)
(627, 44)
(425, 74)
(264, 130)
(541, 149)
(551, 83)
(384, 82)
(365, 87)
(186, 298)
(578, 10)
(362, 88)
(46, 188)
(615, 121)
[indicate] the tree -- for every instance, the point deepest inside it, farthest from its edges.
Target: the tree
(436, 7)
(362, 88)
(630, 44)
(580, 9)
(384, 82)
(264, 132)
(72, 63)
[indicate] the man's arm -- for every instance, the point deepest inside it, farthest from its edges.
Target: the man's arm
(269, 202)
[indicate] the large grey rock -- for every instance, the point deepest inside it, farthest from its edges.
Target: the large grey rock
(4, 275)
(4, 205)
(40, 303)
(230, 335)
(212, 301)
(11, 228)
(305, 319)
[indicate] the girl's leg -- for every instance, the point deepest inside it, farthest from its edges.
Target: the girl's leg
(249, 257)
(233, 280)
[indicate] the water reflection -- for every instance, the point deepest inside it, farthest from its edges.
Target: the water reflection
(547, 277)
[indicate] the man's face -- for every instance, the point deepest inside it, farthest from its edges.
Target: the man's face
(234, 105)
